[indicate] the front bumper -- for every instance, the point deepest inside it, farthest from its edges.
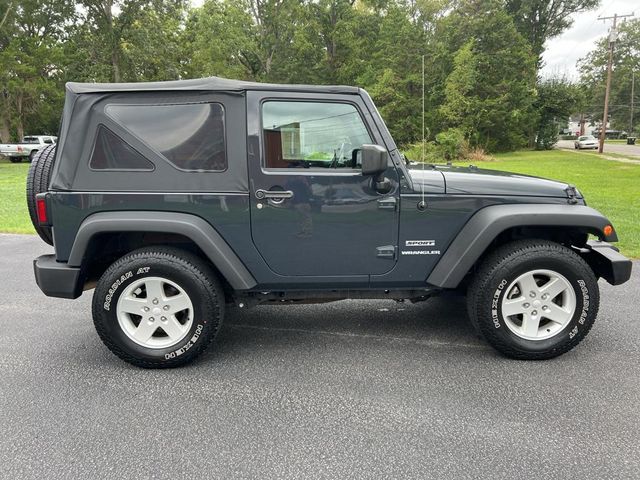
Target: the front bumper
(57, 279)
(607, 262)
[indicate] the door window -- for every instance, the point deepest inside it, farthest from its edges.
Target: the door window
(316, 135)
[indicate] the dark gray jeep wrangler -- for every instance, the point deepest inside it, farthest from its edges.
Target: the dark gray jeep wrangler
(177, 199)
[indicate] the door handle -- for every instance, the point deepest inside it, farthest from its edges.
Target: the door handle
(273, 194)
(387, 203)
(386, 251)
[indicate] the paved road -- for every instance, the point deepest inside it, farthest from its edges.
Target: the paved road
(622, 149)
(346, 390)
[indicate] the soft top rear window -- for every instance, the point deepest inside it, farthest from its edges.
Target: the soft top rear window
(190, 136)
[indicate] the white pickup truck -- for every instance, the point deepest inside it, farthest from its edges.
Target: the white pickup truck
(27, 148)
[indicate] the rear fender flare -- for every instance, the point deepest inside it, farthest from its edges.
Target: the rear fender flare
(190, 226)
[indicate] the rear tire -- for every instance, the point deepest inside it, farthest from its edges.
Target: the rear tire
(533, 299)
(15, 159)
(38, 180)
(158, 307)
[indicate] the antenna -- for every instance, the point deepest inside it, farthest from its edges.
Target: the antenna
(423, 205)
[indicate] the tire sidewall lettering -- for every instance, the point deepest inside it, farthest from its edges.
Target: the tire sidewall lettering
(192, 341)
(122, 280)
(585, 302)
(496, 314)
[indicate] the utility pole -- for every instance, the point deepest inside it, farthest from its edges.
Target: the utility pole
(613, 36)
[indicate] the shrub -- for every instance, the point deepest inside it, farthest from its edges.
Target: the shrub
(451, 144)
(414, 152)
(477, 154)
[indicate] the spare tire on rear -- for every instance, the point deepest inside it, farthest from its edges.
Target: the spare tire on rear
(38, 182)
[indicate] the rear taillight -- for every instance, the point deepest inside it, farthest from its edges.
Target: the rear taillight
(41, 208)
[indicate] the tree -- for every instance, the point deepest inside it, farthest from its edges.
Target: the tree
(128, 40)
(462, 104)
(626, 60)
(480, 55)
(489, 87)
(31, 53)
(389, 41)
(233, 58)
(540, 20)
(556, 100)
(258, 37)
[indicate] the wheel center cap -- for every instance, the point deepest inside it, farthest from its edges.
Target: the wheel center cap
(156, 311)
(536, 303)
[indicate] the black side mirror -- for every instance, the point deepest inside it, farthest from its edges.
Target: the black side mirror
(374, 159)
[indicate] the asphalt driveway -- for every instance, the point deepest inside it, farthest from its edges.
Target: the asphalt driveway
(351, 389)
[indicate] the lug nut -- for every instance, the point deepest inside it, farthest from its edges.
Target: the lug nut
(532, 294)
(164, 319)
(166, 307)
(526, 305)
(155, 301)
(545, 296)
(545, 308)
(151, 319)
(146, 309)
(534, 313)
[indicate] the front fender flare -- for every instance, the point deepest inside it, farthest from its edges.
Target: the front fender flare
(477, 234)
(190, 226)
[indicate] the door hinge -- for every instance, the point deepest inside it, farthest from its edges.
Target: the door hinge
(387, 203)
(572, 193)
(387, 251)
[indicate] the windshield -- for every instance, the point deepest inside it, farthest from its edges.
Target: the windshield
(587, 137)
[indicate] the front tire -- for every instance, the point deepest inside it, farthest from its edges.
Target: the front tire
(158, 307)
(533, 299)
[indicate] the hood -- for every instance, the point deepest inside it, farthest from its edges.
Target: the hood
(475, 181)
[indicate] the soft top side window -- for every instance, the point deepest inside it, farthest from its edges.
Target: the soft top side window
(110, 152)
(190, 136)
(312, 135)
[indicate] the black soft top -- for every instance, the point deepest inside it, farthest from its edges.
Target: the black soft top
(212, 84)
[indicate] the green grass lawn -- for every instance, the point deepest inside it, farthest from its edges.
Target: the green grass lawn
(620, 141)
(14, 216)
(609, 186)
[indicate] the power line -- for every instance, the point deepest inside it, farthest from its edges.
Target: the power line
(613, 36)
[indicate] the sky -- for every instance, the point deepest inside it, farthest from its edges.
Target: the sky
(565, 50)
